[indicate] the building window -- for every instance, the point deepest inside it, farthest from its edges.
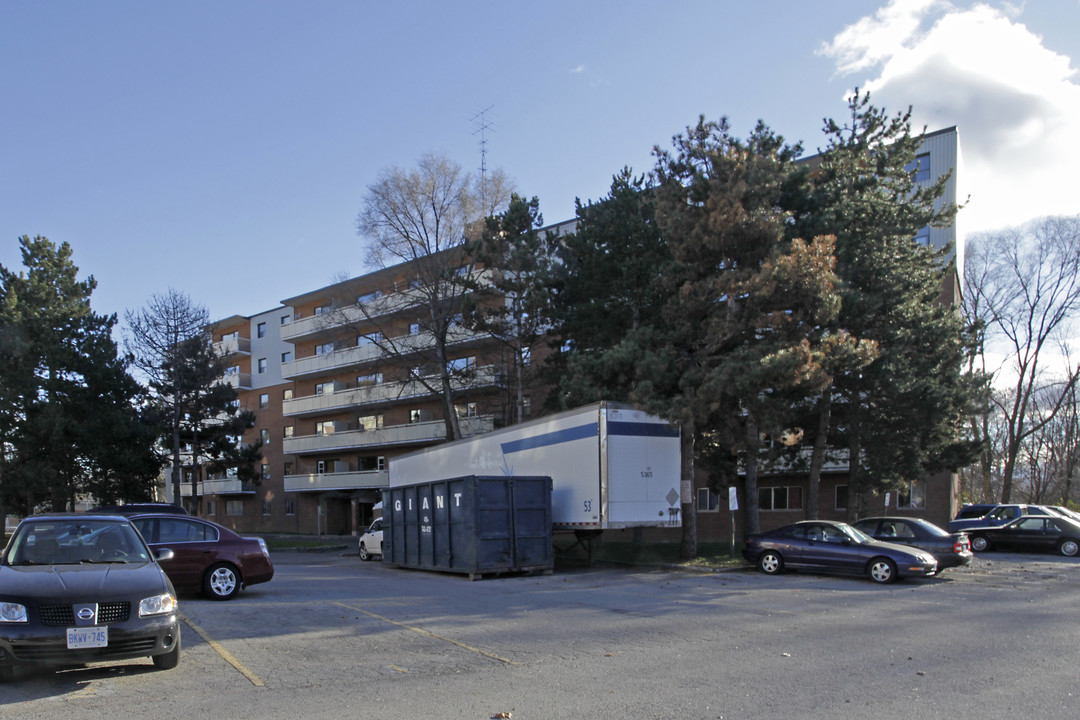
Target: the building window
(324, 388)
(911, 496)
(322, 309)
(841, 497)
(287, 468)
(466, 410)
(324, 427)
(372, 379)
(211, 508)
(266, 507)
(464, 364)
(370, 422)
(286, 394)
(232, 370)
(290, 506)
(371, 338)
(288, 431)
(324, 349)
(414, 328)
(234, 507)
(380, 462)
(286, 319)
(264, 435)
(708, 500)
(286, 357)
(264, 401)
(260, 330)
(920, 168)
(262, 365)
(320, 467)
(265, 471)
(923, 236)
(370, 297)
(416, 415)
(780, 498)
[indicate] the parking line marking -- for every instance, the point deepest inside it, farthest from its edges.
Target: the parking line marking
(225, 654)
(422, 631)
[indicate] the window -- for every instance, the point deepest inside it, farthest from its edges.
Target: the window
(320, 467)
(464, 364)
(266, 507)
(371, 296)
(265, 471)
(290, 506)
(264, 401)
(324, 427)
(286, 394)
(232, 370)
(912, 495)
(920, 168)
(414, 328)
(234, 507)
(211, 508)
(260, 330)
(841, 497)
(923, 236)
(324, 388)
(264, 435)
(286, 319)
(262, 365)
(780, 498)
(416, 415)
(289, 431)
(322, 309)
(370, 422)
(324, 349)
(466, 410)
(371, 338)
(230, 336)
(380, 462)
(707, 500)
(366, 380)
(286, 357)
(172, 530)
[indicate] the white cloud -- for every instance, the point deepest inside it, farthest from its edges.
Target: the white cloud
(1015, 102)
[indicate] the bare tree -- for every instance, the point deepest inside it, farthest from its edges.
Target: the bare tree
(421, 217)
(154, 338)
(1028, 297)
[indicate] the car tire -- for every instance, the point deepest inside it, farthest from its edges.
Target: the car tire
(1069, 548)
(979, 543)
(7, 673)
(771, 562)
(364, 554)
(881, 570)
(171, 659)
(221, 582)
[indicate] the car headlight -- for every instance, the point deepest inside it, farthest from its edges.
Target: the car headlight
(12, 612)
(157, 605)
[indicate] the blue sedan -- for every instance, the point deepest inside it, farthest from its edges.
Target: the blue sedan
(835, 547)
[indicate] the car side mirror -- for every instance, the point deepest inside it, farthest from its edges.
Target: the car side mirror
(164, 554)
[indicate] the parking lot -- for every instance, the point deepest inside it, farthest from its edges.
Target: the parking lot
(335, 637)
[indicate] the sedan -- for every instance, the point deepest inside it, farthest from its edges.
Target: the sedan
(84, 588)
(827, 546)
(371, 541)
(1040, 534)
(950, 550)
(207, 557)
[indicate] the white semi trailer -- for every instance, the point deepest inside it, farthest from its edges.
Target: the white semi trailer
(611, 466)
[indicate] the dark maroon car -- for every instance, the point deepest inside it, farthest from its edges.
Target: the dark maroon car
(207, 557)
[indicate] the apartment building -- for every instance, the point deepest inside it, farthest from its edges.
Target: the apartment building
(341, 379)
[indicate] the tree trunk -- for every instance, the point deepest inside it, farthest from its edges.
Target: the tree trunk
(688, 550)
(750, 482)
(817, 459)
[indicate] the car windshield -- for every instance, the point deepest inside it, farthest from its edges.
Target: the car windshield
(854, 533)
(72, 541)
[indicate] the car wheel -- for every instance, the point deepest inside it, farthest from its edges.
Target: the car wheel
(770, 562)
(170, 659)
(979, 543)
(882, 570)
(221, 582)
(1069, 548)
(364, 554)
(7, 673)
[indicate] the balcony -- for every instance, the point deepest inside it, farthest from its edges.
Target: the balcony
(240, 381)
(222, 486)
(413, 434)
(349, 316)
(345, 358)
(323, 482)
(233, 346)
(836, 460)
(380, 394)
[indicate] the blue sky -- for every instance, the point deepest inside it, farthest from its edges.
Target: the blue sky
(223, 148)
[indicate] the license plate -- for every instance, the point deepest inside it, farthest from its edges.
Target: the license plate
(89, 637)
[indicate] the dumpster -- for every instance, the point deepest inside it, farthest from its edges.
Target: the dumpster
(473, 525)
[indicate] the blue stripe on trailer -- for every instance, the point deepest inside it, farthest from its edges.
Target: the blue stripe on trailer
(552, 438)
(640, 429)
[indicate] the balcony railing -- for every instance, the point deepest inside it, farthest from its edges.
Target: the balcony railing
(349, 316)
(240, 381)
(381, 394)
(358, 355)
(412, 434)
(233, 346)
(356, 480)
(223, 486)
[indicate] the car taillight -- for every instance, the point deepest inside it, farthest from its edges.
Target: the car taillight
(961, 545)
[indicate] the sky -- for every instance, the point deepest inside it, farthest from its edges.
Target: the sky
(223, 148)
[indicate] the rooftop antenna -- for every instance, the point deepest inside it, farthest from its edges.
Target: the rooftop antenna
(482, 124)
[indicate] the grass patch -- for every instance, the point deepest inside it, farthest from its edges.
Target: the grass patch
(710, 555)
